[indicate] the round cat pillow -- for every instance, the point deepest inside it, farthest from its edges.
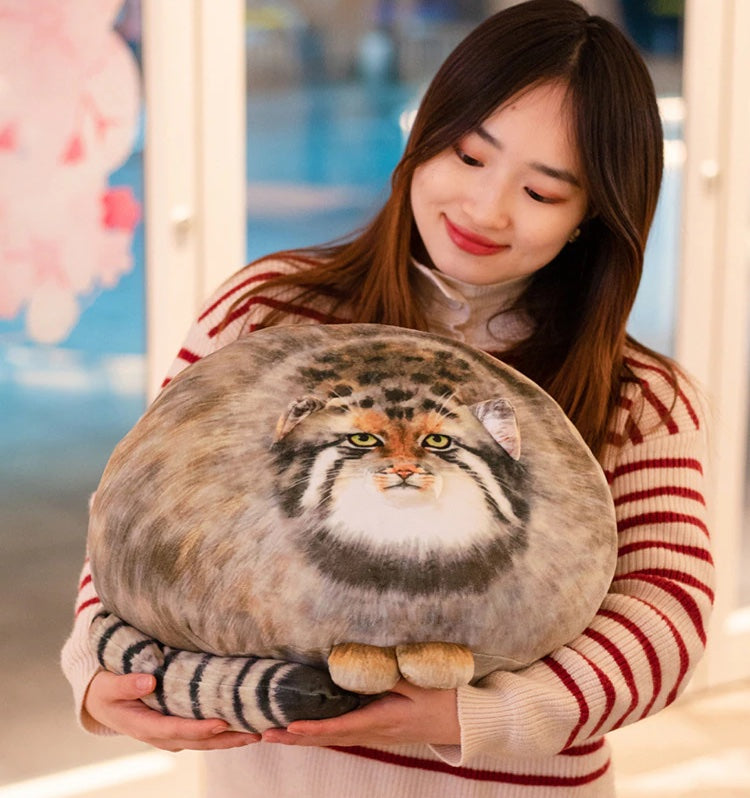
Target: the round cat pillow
(371, 501)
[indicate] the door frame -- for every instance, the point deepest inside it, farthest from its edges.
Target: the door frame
(712, 323)
(194, 163)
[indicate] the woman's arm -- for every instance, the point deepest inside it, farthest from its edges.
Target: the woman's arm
(640, 650)
(78, 660)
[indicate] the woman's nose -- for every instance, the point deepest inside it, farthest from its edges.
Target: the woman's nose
(490, 208)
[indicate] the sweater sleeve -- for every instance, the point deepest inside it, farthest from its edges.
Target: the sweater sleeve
(230, 313)
(79, 661)
(642, 646)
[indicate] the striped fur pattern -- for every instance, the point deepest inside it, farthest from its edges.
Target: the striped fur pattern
(249, 693)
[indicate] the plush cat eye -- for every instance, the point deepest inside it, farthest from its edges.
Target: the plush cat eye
(436, 441)
(364, 440)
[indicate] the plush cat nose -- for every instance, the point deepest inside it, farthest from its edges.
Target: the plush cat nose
(404, 471)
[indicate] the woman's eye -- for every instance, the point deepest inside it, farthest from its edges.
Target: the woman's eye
(436, 441)
(364, 440)
(467, 159)
(538, 197)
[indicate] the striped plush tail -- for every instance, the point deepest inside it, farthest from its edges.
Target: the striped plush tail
(249, 693)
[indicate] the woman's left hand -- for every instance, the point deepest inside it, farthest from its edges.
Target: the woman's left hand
(408, 714)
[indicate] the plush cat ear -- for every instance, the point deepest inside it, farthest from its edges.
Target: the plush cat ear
(295, 412)
(499, 419)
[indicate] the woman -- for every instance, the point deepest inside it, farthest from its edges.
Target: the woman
(517, 222)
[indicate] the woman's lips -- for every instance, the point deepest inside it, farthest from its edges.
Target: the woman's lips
(471, 242)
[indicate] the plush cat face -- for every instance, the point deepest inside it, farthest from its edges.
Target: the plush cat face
(438, 486)
(406, 481)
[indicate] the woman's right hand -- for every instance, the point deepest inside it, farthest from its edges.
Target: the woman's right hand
(114, 701)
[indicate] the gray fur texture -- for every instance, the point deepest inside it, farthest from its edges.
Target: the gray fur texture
(309, 486)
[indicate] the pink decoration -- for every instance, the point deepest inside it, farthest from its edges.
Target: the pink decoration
(69, 105)
(122, 211)
(8, 137)
(74, 151)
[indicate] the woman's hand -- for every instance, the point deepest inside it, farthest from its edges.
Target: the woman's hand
(114, 701)
(408, 714)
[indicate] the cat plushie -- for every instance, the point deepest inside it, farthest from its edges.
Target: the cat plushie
(365, 499)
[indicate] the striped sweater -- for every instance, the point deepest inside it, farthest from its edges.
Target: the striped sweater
(539, 731)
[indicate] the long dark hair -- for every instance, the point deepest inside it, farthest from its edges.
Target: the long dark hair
(581, 300)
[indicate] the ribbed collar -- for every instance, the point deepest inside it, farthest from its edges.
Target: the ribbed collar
(475, 314)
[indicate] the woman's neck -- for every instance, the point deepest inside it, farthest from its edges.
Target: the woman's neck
(480, 315)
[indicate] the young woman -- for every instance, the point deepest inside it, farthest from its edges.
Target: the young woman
(517, 222)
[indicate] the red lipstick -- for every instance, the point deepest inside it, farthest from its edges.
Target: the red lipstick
(470, 242)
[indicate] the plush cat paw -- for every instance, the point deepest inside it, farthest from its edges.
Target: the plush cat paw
(363, 669)
(435, 665)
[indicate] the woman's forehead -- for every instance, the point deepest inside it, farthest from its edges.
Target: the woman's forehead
(539, 122)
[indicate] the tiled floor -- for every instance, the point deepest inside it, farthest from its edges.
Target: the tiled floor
(699, 748)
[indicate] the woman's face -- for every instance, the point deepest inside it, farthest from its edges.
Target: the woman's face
(506, 199)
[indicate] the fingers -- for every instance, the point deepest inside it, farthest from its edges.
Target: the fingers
(379, 714)
(199, 740)
(114, 701)
(175, 734)
(380, 722)
(409, 714)
(284, 737)
(131, 685)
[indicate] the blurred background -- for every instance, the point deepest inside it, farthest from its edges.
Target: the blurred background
(147, 150)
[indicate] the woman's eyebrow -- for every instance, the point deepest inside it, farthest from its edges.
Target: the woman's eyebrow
(557, 174)
(551, 171)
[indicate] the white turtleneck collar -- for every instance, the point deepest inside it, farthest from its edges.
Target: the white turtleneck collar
(475, 314)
